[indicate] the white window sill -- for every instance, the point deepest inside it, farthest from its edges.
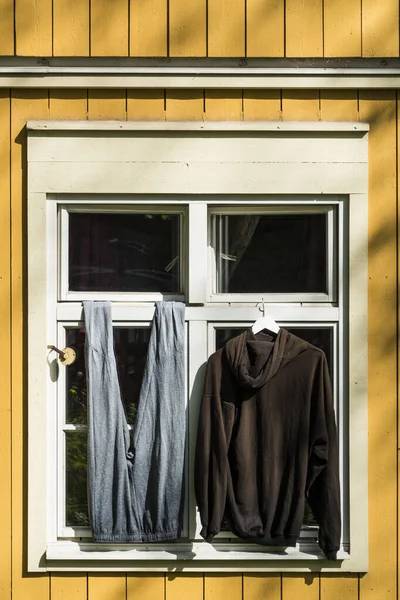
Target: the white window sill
(84, 556)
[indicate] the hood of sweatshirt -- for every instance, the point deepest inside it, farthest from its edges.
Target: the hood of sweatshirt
(256, 358)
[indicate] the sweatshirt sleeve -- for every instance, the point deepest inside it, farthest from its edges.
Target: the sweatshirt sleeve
(211, 459)
(323, 468)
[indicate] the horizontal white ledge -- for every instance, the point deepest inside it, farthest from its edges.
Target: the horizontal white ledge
(73, 311)
(187, 552)
(306, 126)
(170, 78)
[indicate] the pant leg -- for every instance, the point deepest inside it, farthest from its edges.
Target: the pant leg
(111, 494)
(160, 429)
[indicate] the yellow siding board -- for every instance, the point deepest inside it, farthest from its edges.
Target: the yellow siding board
(107, 104)
(226, 28)
(145, 587)
(300, 587)
(342, 28)
(334, 587)
(260, 587)
(217, 587)
(25, 104)
(304, 35)
(145, 105)
(106, 587)
(68, 104)
(33, 25)
(262, 105)
(265, 24)
(148, 28)
(6, 27)
(184, 105)
(300, 105)
(68, 587)
(339, 105)
(5, 340)
(109, 27)
(379, 109)
(183, 587)
(223, 105)
(187, 28)
(71, 27)
(380, 28)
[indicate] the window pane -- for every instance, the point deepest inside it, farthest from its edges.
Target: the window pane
(270, 253)
(124, 252)
(76, 479)
(321, 337)
(130, 346)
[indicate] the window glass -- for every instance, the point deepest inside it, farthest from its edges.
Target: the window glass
(76, 479)
(127, 252)
(130, 346)
(271, 253)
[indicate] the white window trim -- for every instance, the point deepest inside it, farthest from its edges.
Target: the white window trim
(49, 179)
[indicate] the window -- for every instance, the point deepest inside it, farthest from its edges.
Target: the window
(225, 253)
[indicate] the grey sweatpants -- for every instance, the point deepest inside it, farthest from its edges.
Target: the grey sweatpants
(136, 493)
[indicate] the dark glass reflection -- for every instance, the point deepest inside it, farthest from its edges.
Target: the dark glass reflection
(76, 479)
(270, 253)
(124, 252)
(130, 346)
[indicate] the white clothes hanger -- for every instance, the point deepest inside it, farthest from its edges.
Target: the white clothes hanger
(265, 322)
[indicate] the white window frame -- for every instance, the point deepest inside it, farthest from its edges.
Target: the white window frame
(59, 173)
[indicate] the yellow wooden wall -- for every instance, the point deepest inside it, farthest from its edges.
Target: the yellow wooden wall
(378, 108)
(215, 28)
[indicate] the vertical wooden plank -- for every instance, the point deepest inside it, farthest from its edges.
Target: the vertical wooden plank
(71, 27)
(187, 28)
(106, 587)
(265, 28)
(33, 27)
(342, 28)
(226, 28)
(5, 342)
(258, 587)
(262, 105)
(343, 586)
(300, 105)
(380, 28)
(304, 36)
(6, 28)
(222, 586)
(184, 105)
(25, 104)
(182, 587)
(68, 587)
(148, 28)
(223, 105)
(68, 104)
(145, 587)
(107, 104)
(109, 27)
(339, 105)
(300, 587)
(145, 105)
(379, 109)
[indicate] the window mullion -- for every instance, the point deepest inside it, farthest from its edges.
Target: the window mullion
(197, 262)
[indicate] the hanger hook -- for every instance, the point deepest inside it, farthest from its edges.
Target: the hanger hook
(262, 307)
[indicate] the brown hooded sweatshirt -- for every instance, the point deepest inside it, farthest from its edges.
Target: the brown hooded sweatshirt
(267, 441)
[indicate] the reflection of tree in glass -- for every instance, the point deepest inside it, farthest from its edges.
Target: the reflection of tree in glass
(76, 455)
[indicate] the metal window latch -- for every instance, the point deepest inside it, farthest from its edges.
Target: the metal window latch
(66, 356)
